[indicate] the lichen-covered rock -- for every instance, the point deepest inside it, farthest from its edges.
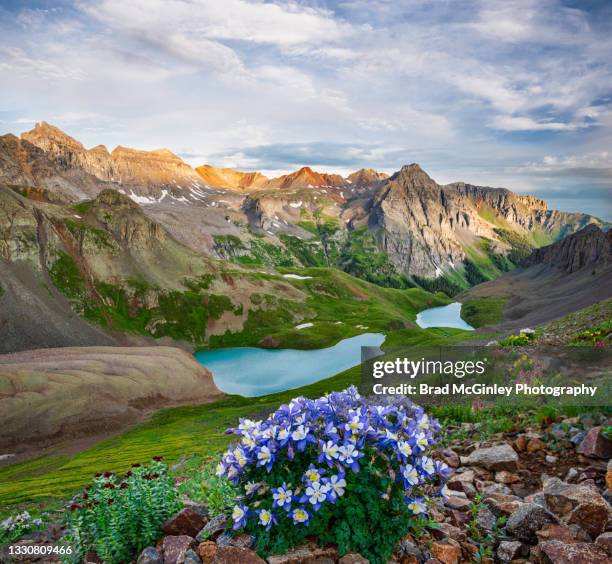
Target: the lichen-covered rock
(527, 520)
(150, 556)
(605, 541)
(175, 547)
(578, 504)
(595, 445)
(509, 550)
(557, 552)
(235, 555)
(213, 529)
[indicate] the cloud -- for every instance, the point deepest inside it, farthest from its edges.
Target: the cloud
(523, 123)
(472, 90)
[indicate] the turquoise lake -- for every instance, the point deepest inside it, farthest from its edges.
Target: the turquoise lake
(252, 372)
(445, 316)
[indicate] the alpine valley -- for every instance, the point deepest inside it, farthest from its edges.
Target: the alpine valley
(139, 243)
(132, 248)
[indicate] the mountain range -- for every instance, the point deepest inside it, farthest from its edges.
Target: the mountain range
(129, 237)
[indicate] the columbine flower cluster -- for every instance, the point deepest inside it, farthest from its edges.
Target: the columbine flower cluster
(322, 441)
(21, 520)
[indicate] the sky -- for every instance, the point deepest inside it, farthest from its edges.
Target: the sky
(512, 93)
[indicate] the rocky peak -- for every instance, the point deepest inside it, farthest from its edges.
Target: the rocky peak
(46, 136)
(588, 248)
(305, 177)
(366, 176)
(231, 179)
(413, 176)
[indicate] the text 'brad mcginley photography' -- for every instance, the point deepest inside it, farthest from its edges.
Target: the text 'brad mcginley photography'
(437, 375)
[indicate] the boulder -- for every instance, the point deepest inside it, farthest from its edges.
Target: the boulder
(213, 529)
(207, 551)
(150, 556)
(502, 504)
(235, 555)
(174, 548)
(188, 522)
(527, 520)
(595, 445)
(557, 552)
(446, 552)
(568, 535)
(499, 457)
(509, 550)
(458, 503)
(485, 520)
(578, 504)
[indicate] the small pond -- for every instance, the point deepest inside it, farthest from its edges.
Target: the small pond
(445, 316)
(252, 372)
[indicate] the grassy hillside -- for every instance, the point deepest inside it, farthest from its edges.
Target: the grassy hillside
(172, 433)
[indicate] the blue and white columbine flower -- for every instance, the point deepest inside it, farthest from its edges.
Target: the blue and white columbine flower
(329, 452)
(316, 494)
(313, 474)
(300, 516)
(266, 518)
(336, 484)
(282, 497)
(417, 506)
(427, 465)
(348, 455)
(410, 475)
(265, 457)
(239, 516)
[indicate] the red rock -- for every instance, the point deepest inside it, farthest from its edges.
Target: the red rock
(235, 555)
(609, 475)
(458, 503)
(450, 457)
(502, 504)
(535, 444)
(595, 445)
(557, 552)
(578, 504)
(505, 477)
(446, 552)
(520, 444)
(188, 522)
(174, 548)
(561, 533)
(445, 530)
(460, 519)
(207, 551)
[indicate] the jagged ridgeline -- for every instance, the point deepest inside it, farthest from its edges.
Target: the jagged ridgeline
(139, 242)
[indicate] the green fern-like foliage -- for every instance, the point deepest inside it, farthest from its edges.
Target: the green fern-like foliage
(119, 516)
